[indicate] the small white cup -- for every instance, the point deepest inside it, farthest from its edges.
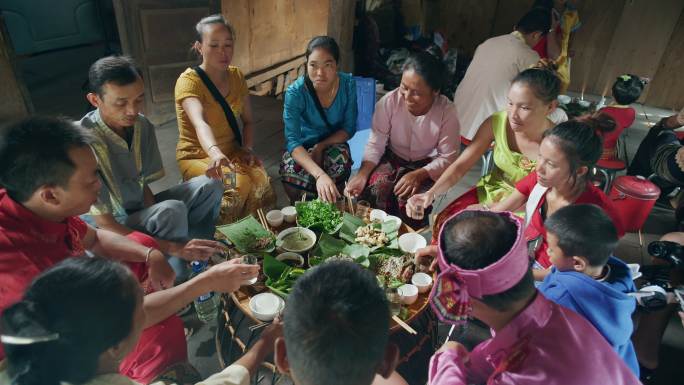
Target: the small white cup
(422, 281)
(411, 242)
(408, 293)
(274, 218)
(290, 214)
(377, 215)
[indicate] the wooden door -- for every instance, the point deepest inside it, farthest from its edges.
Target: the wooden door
(158, 35)
(16, 102)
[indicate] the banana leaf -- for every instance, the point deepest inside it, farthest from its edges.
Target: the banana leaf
(349, 225)
(244, 234)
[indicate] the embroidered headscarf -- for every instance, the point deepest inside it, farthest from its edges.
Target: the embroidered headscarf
(454, 286)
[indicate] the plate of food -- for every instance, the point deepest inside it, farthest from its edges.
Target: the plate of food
(248, 235)
(319, 215)
(372, 235)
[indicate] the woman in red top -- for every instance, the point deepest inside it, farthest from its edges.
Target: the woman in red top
(626, 90)
(566, 154)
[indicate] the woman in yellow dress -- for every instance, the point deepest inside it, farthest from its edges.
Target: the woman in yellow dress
(210, 98)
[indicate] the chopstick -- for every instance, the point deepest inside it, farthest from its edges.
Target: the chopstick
(404, 325)
(348, 198)
(259, 326)
(262, 219)
(450, 332)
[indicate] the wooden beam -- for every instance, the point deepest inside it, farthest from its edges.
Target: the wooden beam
(269, 73)
(263, 89)
(280, 84)
(341, 28)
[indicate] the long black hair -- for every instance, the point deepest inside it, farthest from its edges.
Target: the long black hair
(73, 312)
(581, 141)
(326, 43)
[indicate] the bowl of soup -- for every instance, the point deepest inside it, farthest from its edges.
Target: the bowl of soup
(291, 259)
(296, 239)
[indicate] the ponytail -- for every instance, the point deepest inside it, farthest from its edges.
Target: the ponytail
(69, 316)
(581, 140)
(542, 79)
(30, 345)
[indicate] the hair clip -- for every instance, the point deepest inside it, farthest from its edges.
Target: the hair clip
(625, 78)
(17, 340)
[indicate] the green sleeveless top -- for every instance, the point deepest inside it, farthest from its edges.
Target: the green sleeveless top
(509, 166)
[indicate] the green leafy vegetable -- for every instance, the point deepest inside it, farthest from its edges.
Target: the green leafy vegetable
(318, 214)
(280, 277)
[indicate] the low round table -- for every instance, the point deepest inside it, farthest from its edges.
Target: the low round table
(235, 336)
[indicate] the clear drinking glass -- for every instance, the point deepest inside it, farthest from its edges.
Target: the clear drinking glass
(394, 299)
(418, 211)
(363, 209)
(229, 179)
(250, 259)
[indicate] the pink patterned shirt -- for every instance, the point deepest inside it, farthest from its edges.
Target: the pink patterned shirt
(546, 344)
(433, 135)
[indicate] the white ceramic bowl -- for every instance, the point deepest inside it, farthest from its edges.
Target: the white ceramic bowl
(290, 214)
(410, 242)
(408, 293)
(377, 215)
(564, 99)
(275, 218)
(305, 232)
(392, 218)
(422, 281)
(266, 306)
(584, 103)
(289, 256)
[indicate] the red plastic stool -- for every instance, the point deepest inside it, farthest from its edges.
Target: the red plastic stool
(634, 197)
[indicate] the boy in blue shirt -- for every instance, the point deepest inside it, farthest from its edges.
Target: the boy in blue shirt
(586, 278)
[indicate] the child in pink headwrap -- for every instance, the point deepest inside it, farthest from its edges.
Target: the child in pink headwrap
(485, 274)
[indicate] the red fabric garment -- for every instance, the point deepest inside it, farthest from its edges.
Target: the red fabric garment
(456, 206)
(536, 229)
(162, 344)
(540, 48)
(624, 117)
(30, 245)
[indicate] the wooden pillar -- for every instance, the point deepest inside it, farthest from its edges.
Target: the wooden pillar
(16, 101)
(341, 20)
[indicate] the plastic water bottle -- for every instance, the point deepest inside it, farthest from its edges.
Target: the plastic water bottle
(206, 305)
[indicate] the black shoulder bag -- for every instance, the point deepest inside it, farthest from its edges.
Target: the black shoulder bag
(319, 107)
(230, 117)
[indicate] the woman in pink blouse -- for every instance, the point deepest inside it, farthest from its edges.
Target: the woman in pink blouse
(415, 136)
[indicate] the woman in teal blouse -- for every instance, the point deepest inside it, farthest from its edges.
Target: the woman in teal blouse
(320, 116)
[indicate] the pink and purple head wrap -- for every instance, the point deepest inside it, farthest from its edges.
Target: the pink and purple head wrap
(454, 286)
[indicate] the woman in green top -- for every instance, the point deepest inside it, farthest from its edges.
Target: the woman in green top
(516, 133)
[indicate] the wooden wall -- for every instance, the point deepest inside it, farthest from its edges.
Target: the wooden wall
(667, 88)
(641, 33)
(15, 100)
(643, 37)
(269, 32)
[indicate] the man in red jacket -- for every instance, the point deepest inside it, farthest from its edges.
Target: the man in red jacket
(49, 177)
